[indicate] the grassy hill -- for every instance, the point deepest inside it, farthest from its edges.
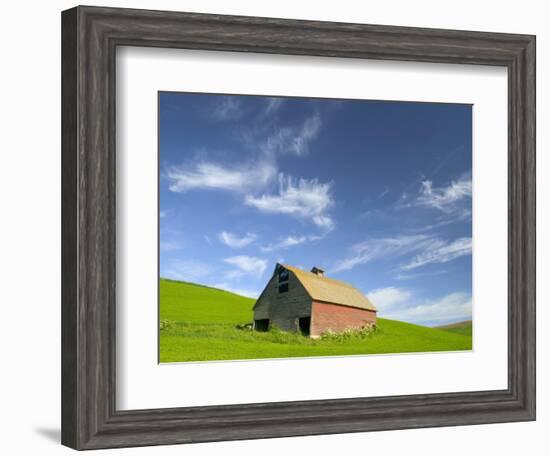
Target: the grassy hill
(199, 323)
(462, 327)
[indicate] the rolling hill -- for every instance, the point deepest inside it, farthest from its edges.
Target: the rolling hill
(199, 323)
(462, 327)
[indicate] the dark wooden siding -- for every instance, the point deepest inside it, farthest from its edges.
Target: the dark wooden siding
(283, 309)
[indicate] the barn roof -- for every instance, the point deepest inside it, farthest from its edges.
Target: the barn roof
(322, 288)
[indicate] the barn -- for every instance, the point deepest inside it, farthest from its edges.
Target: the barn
(297, 300)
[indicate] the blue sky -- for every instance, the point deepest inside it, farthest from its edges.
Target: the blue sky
(376, 193)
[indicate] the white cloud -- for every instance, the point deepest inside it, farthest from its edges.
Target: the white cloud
(234, 241)
(293, 140)
(162, 214)
(420, 274)
(441, 252)
(303, 198)
(427, 249)
(454, 200)
(445, 197)
(272, 105)
(196, 271)
(249, 293)
(213, 176)
(246, 265)
(400, 304)
(289, 241)
(187, 270)
(169, 246)
(448, 309)
(387, 298)
(323, 221)
(374, 249)
(227, 108)
(309, 131)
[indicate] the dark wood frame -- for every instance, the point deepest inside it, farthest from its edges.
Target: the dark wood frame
(90, 36)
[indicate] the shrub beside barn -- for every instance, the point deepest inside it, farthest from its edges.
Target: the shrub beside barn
(297, 300)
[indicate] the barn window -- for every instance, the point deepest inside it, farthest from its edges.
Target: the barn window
(283, 275)
(282, 280)
(261, 325)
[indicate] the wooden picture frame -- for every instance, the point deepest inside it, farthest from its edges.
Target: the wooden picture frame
(90, 37)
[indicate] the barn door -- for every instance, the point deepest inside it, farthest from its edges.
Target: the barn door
(304, 324)
(262, 324)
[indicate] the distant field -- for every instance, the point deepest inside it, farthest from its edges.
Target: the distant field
(462, 327)
(199, 323)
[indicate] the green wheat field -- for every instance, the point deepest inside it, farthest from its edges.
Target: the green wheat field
(199, 323)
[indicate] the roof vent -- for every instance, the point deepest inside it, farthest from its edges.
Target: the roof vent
(318, 271)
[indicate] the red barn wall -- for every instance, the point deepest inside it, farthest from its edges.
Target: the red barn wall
(325, 316)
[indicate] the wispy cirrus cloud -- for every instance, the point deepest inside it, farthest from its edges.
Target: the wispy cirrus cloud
(441, 252)
(206, 175)
(290, 241)
(401, 304)
(195, 271)
(309, 131)
(447, 309)
(384, 192)
(272, 105)
(416, 275)
(453, 200)
(169, 246)
(444, 198)
(226, 108)
(234, 241)
(390, 297)
(187, 270)
(290, 140)
(378, 248)
(246, 265)
(302, 198)
(284, 243)
(248, 292)
(425, 249)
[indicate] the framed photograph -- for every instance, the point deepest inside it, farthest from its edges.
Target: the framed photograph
(280, 228)
(251, 190)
